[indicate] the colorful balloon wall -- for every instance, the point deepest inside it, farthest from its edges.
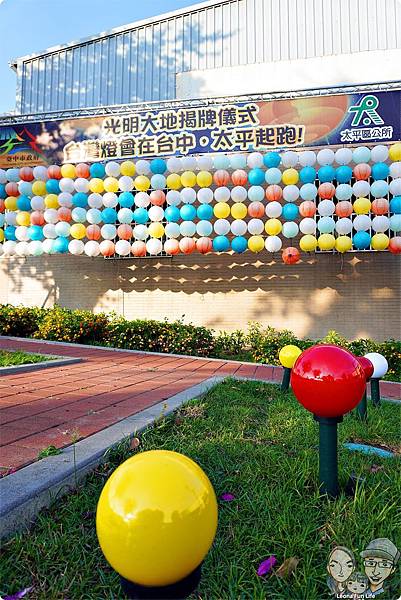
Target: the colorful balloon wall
(293, 202)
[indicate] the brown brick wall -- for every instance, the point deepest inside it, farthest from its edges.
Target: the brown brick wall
(357, 294)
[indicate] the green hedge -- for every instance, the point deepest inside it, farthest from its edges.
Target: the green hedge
(258, 344)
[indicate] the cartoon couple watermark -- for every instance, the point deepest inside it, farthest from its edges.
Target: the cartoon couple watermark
(380, 560)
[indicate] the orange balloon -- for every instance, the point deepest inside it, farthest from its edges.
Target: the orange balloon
(344, 208)
(380, 206)
(93, 233)
(138, 248)
(124, 231)
(157, 197)
(107, 247)
(37, 218)
(2, 205)
(204, 245)
(256, 209)
(362, 171)
(54, 172)
(291, 256)
(171, 247)
(12, 189)
(239, 177)
(395, 245)
(187, 245)
(326, 191)
(64, 214)
(221, 177)
(274, 193)
(26, 174)
(82, 170)
(307, 208)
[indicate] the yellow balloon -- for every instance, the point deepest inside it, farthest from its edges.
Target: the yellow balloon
(78, 231)
(308, 243)
(127, 168)
(39, 188)
(173, 181)
(290, 176)
(273, 226)
(68, 171)
(11, 203)
(380, 241)
(188, 179)
(156, 518)
(343, 243)
(1, 235)
(204, 179)
(51, 201)
(288, 355)
(256, 243)
(221, 210)
(395, 152)
(156, 230)
(239, 210)
(362, 206)
(23, 218)
(326, 241)
(96, 185)
(111, 184)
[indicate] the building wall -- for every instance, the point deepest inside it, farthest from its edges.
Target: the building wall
(357, 294)
(140, 61)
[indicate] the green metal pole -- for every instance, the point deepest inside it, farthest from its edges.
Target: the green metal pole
(362, 408)
(328, 463)
(285, 384)
(375, 391)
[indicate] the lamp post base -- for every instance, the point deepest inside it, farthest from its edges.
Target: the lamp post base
(375, 391)
(176, 591)
(285, 384)
(328, 460)
(362, 408)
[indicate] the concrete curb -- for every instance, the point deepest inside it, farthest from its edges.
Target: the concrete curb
(60, 361)
(25, 492)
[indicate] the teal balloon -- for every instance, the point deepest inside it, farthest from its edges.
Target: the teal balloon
(126, 199)
(326, 173)
(307, 175)
(35, 233)
(9, 233)
(80, 199)
(290, 211)
(361, 155)
(3, 193)
(141, 216)
(172, 214)
(52, 186)
(188, 212)
(205, 212)
(24, 188)
(60, 245)
(239, 244)
(109, 215)
(343, 174)
(395, 205)
(221, 243)
(23, 203)
(256, 176)
(271, 159)
(380, 171)
(361, 240)
(158, 166)
(97, 170)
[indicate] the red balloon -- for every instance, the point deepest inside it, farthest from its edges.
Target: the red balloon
(187, 245)
(12, 189)
(54, 172)
(395, 245)
(307, 208)
(380, 206)
(366, 365)
(291, 256)
(107, 248)
(37, 217)
(2, 206)
(138, 248)
(344, 208)
(256, 210)
(64, 214)
(221, 177)
(26, 174)
(326, 191)
(362, 171)
(274, 193)
(204, 245)
(157, 197)
(82, 170)
(328, 381)
(171, 247)
(239, 177)
(93, 233)
(124, 231)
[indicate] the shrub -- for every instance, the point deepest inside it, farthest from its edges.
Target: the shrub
(231, 344)
(65, 325)
(20, 321)
(265, 344)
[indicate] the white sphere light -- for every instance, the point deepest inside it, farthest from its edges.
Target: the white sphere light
(142, 199)
(291, 193)
(325, 156)
(112, 169)
(92, 248)
(361, 189)
(174, 164)
(379, 362)
(76, 247)
(307, 226)
(205, 195)
(123, 247)
(221, 226)
(255, 160)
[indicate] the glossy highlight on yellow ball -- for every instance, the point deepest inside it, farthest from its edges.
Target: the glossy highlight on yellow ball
(156, 518)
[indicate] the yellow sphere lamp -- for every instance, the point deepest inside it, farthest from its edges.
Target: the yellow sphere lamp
(287, 357)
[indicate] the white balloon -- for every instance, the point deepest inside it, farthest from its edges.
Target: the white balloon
(222, 194)
(10, 218)
(187, 228)
(141, 232)
(325, 156)
(125, 215)
(25, 188)
(255, 226)
(255, 160)
(379, 363)
(112, 169)
(289, 159)
(9, 248)
(361, 189)
(92, 248)
(307, 158)
(49, 231)
(307, 226)
(222, 226)
(395, 187)
(94, 216)
(344, 226)
(379, 153)
(142, 199)
(3, 176)
(126, 183)
(239, 227)
(343, 156)
(172, 230)
(110, 200)
(50, 215)
(204, 228)
(78, 214)
(76, 247)
(205, 195)
(174, 164)
(343, 191)
(1, 248)
(290, 229)
(81, 185)
(291, 193)
(47, 246)
(188, 195)
(35, 248)
(239, 193)
(154, 246)
(67, 185)
(156, 213)
(326, 208)
(362, 223)
(108, 231)
(380, 224)
(123, 247)
(62, 229)
(38, 203)
(40, 173)
(273, 209)
(395, 169)
(189, 163)
(22, 249)
(205, 162)
(273, 243)
(65, 199)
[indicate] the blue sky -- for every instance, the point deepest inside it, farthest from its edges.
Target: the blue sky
(29, 26)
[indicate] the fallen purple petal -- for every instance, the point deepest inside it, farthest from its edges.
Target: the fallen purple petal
(227, 497)
(19, 594)
(266, 565)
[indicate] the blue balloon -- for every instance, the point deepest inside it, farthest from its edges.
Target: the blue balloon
(272, 159)
(326, 173)
(158, 166)
(80, 200)
(273, 175)
(172, 214)
(52, 186)
(97, 170)
(126, 199)
(256, 176)
(361, 240)
(2, 219)
(256, 193)
(109, 215)
(25, 188)
(221, 161)
(290, 211)
(35, 233)
(239, 244)
(343, 174)
(361, 155)
(307, 175)
(395, 205)
(238, 161)
(9, 233)
(205, 212)
(158, 182)
(188, 212)
(23, 203)
(141, 216)
(60, 245)
(380, 171)
(3, 191)
(326, 224)
(221, 243)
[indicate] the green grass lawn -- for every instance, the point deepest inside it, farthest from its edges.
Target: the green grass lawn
(11, 358)
(261, 446)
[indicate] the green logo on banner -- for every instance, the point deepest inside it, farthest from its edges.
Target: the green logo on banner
(366, 112)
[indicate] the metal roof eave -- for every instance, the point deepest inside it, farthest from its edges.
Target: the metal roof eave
(122, 28)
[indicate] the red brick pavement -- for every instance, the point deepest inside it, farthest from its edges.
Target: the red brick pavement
(52, 406)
